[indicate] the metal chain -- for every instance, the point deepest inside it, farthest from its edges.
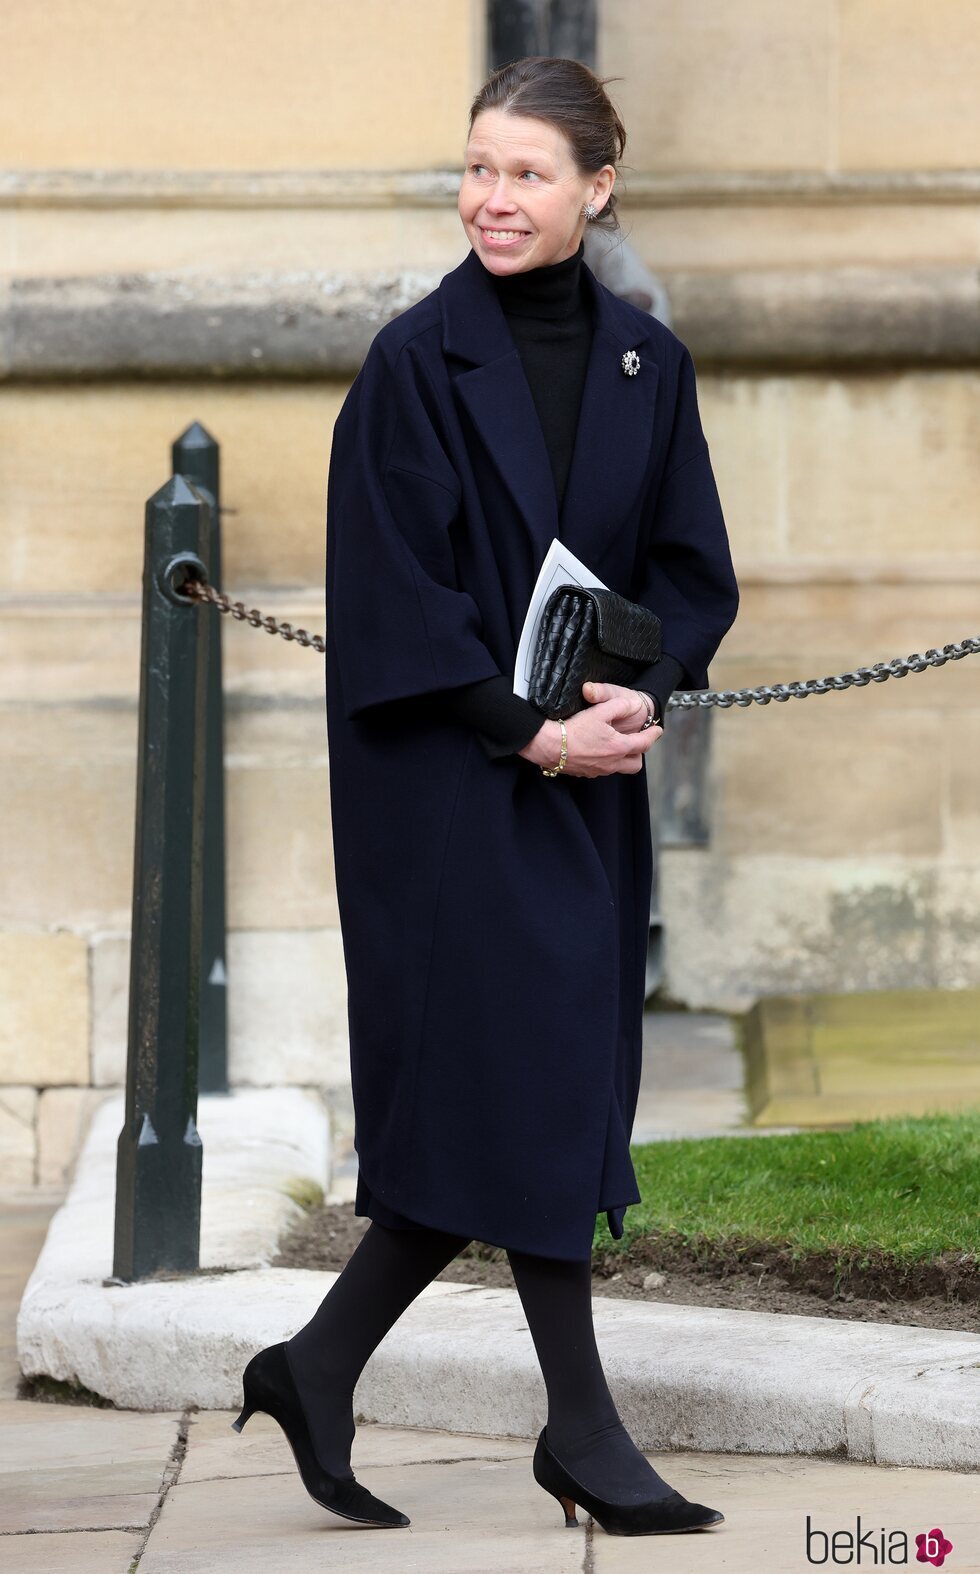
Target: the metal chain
(763, 694)
(200, 590)
(799, 689)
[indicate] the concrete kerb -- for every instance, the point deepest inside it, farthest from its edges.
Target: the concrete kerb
(461, 1358)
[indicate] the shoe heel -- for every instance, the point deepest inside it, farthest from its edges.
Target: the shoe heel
(549, 1475)
(236, 1426)
(568, 1507)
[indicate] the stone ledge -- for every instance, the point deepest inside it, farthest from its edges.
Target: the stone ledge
(849, 317)
(310, 323)
(395, 188)
(257, 324)
(461, 1358)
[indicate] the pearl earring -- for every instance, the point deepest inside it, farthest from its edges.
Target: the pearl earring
(590, 210)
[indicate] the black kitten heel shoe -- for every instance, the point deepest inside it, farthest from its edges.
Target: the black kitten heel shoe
(662, 1517)
(269, 1387)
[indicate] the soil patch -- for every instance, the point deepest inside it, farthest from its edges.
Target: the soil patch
(745, 1275)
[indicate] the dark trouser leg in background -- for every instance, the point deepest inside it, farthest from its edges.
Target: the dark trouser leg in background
(584, 1430)
(386, 1271)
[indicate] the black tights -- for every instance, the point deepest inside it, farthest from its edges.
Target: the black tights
(385, 1273)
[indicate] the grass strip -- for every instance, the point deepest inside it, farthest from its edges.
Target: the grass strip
(905, 1191)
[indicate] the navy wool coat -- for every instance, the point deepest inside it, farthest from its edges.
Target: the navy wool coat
(495, 920)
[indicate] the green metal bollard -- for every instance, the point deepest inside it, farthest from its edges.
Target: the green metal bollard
(158, 1160)
(195, 456)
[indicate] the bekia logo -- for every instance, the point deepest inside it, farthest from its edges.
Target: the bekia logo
(933, 1548)
(874, 1549)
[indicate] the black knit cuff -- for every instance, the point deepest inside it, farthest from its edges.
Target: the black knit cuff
(503, 720)
(659, 680)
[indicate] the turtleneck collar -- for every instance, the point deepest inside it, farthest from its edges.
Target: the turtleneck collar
(553, 290)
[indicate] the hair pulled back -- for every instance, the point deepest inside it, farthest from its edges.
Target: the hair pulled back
(568, 95)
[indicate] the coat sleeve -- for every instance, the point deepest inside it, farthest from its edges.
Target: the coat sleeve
(687, 577)
(399, 623)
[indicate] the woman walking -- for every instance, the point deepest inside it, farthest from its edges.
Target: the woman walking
(493, 868)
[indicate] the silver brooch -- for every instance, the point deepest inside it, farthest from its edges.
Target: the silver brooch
(631, 363)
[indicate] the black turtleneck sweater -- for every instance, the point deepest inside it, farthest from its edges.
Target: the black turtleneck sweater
(547, 311)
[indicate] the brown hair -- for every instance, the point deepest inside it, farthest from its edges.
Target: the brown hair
(571, 97)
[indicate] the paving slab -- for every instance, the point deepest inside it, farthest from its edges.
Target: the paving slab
(73, 1467)
(72, 1552)
(469, 1516)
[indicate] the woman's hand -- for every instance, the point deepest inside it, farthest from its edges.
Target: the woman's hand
(633, 720)
(604, 740)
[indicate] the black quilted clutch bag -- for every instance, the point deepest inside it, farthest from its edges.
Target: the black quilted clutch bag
(588, 635)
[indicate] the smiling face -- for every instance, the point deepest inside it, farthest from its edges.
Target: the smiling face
(521, 195)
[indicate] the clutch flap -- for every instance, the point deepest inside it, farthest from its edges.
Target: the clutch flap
(623, 628)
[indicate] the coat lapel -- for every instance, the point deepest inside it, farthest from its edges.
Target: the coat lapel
(615, 427)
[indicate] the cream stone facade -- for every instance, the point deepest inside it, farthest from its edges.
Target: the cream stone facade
(205, 215)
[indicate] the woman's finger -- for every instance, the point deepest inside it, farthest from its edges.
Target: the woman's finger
(597, 693)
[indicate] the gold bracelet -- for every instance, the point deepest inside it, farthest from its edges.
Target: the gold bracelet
(563, 756)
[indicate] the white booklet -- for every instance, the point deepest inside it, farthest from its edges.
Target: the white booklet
(560, 567)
